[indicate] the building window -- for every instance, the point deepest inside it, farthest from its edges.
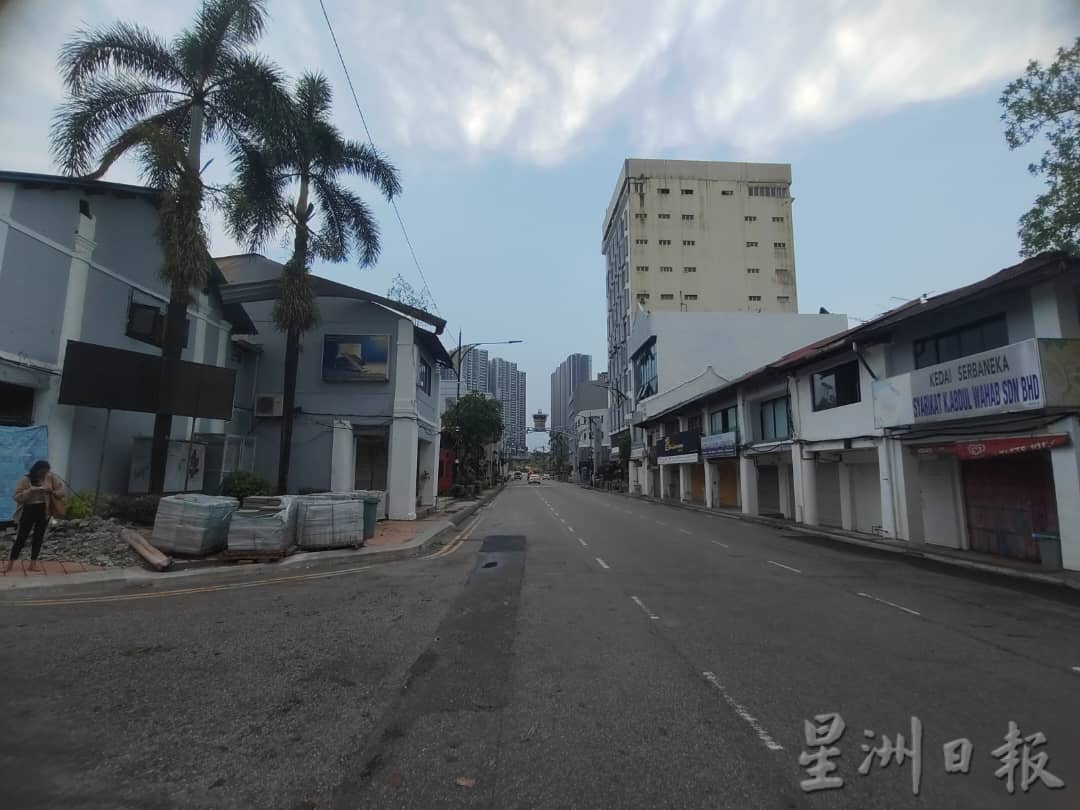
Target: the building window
(16, 405)
(639, 217)
(686, 192)
(723, 420)
(693, 423)
(689, 269)
(641, 241)
(665, 268)
(773, 422)
(768, 191)
(837, 386)
(690, 296)
(749, 219)
(755, 297)
(664, 190)
(971, 338)
(423, 376)
(751, 244)
(642, 298)
(783, 299)
(643, 268)
(688, 242)
(146, 323)
(645, 372)
(753, 269)
(665, 241)
(777, 219)
(688, 217)
(638, 187)
(663, 216)
(780, 245)
(667, 296)
(727, 192)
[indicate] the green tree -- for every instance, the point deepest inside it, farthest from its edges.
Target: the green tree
(470, 424)
(204, 84)
(560, 452)
(291, 177)
(1046, 101)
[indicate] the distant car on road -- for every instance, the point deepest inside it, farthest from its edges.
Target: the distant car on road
(534, 479)
(517, 475)
(547, 476)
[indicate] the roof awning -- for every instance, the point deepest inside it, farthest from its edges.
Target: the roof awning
(430, 343)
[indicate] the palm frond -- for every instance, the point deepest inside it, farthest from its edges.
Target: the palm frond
(221, 27)
(366, 161)
(120, 47)
(165, 153)
(348, 225)
(85, 123)
(295, 307)
(314, 97)
(247, 98)
(255, 205)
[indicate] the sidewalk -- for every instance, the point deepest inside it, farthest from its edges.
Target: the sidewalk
(957, 558)
(51, 568)
(393, 540)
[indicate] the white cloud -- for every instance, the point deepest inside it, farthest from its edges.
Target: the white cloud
(539, 79)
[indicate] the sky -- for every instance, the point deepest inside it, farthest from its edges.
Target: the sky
(509, 121)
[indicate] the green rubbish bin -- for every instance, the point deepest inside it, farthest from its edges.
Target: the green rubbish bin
(371, 515)
(1049, 549)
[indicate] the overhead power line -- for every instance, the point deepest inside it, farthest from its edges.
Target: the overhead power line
(393, 203)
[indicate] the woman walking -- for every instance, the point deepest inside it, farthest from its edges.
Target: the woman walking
(40, 495)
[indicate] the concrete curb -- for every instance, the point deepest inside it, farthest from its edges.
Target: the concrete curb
(427, 538)
(877, 545)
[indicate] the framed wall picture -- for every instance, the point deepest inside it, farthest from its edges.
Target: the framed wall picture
(356, 358)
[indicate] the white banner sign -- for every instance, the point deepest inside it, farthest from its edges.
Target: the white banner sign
(997, 381)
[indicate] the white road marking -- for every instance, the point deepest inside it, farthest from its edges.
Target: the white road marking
(570, 529)
(890, 604)
(752, 721)
(1076, 669)
(722, 545)
(685, 531)
(660, 523)
(781, 565)
(582, 542)
(641, 605)
(602, 564)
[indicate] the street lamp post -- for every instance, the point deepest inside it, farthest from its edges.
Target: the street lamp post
(461, 355)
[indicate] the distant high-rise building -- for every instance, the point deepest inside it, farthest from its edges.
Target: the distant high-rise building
(474, 377)
(574, 369)
(694, 236)
(507, 385)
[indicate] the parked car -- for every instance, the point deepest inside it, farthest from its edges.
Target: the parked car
(534, 479)
(517, 475)
(547, 476)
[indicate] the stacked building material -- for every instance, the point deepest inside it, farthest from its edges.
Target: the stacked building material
(265, 527)
(330, 520)
(192, 524)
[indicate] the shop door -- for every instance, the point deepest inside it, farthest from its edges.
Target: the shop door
(1005, 500)
(768, 490)
(697, 483)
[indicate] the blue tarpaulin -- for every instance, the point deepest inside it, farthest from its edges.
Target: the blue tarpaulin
(19, 448)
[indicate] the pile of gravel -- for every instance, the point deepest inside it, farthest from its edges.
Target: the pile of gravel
(94, 541)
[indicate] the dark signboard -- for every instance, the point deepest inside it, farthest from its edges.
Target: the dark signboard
(122, 380)
(720, 445)
(681, 444)
(356, 358)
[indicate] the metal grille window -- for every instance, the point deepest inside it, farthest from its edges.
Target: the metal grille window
(423, 377)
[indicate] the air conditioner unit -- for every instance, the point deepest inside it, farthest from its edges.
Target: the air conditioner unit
(268, 405)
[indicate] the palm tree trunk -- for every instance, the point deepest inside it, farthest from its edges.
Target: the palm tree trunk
(172, 347)
(298, 265)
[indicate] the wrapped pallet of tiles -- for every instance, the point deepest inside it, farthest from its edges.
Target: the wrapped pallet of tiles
(329, 520)
(192, 524)
(264, 527)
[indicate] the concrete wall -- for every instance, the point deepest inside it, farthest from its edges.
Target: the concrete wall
(845, 421)
(733, 343)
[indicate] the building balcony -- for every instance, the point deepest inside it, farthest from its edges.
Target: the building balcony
(1029, 375)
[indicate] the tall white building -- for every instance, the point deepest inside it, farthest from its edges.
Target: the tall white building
(694, 236)
(508, 387)
(574, 370)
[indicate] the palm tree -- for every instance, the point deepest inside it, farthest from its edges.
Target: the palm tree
(306, 157)
(204, 84)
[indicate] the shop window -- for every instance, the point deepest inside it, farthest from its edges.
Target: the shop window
(836, 387)
(971, 338)
(146, 323)
(16, 405)
(645, 372)
(774, 423)
(723, 420)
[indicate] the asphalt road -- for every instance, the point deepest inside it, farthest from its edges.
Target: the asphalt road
(582, 650)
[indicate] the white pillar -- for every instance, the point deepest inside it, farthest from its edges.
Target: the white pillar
(431, 486)
(684, 483)
(645, 477)
(664, 482)
(847, 497)
(1066, 466)
(7, 200)
(710, 483)
(342, 457)
(748, 485)
(404, 434)
(61, 418)
(808, 471)
(787, 508)
(907, 492)
(888, 494)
